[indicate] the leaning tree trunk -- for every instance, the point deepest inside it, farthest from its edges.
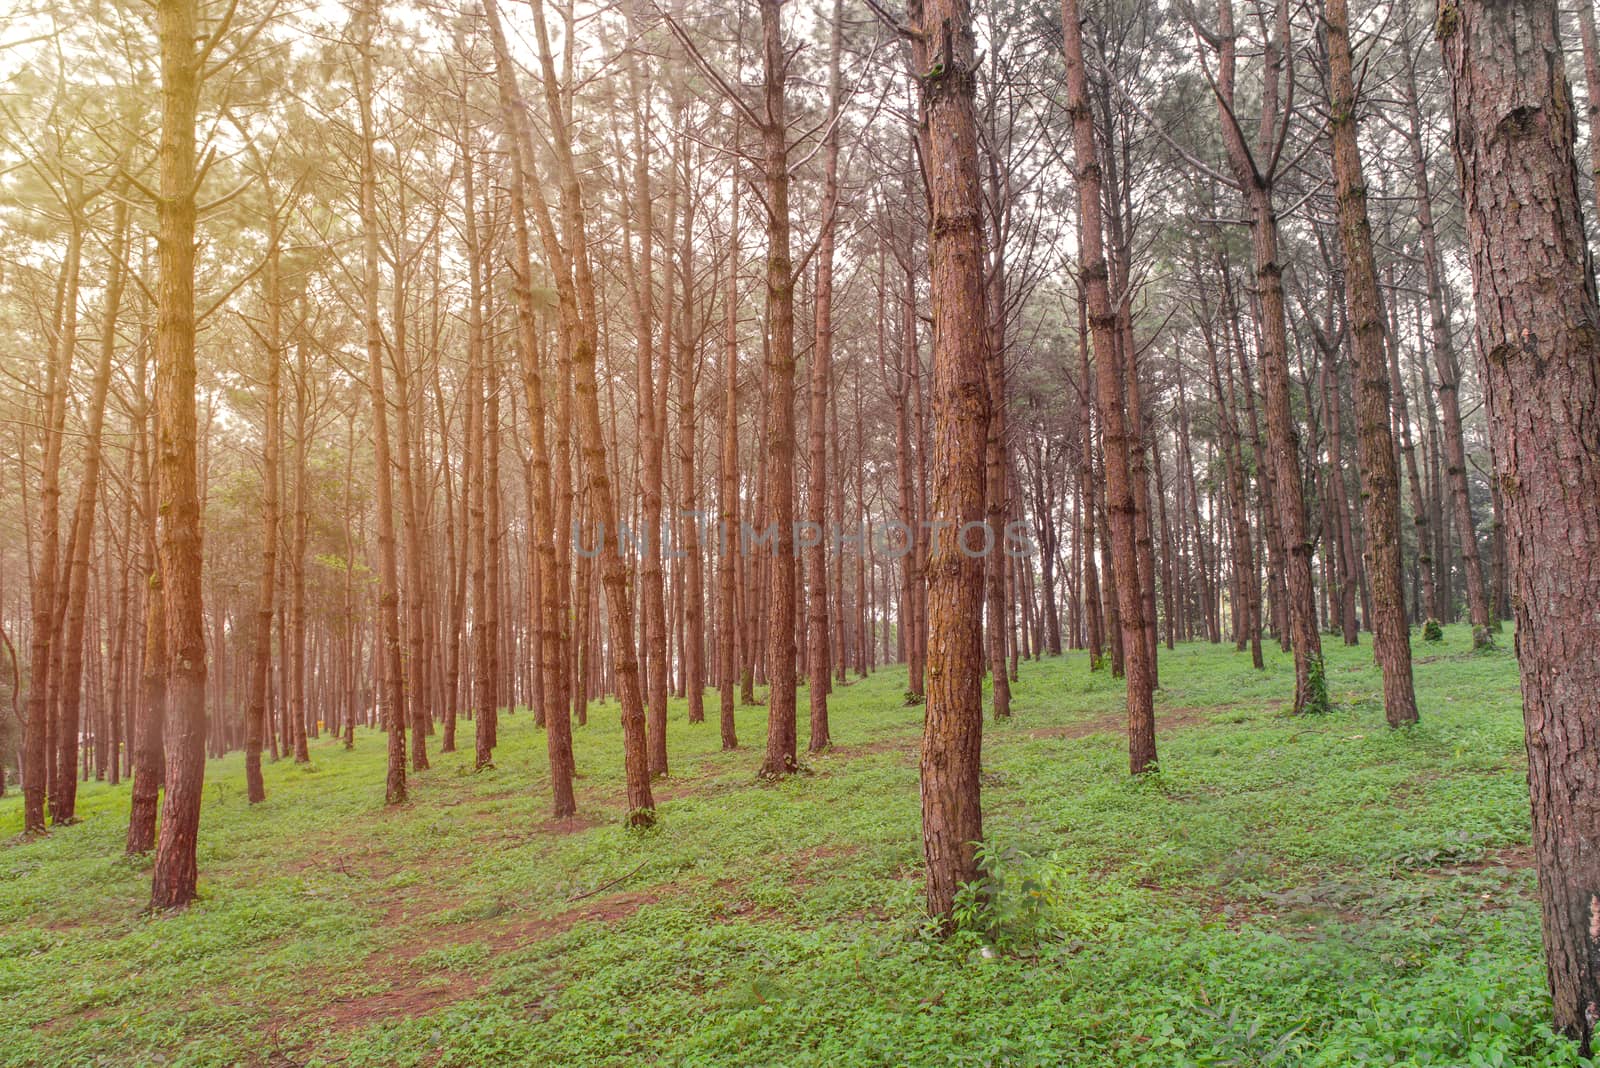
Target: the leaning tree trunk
(579, 319)
(1283, 452)
(36, 749)
(551, 609)
(1119, 488)
(63, 804)
(1380, 475)
(1537, 322)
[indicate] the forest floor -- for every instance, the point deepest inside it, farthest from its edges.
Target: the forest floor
(1283, 891)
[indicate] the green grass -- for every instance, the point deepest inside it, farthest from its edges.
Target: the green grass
(1283, 891)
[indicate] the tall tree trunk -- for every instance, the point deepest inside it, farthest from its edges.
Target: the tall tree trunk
(295, 653)
(952, 733)
(1380, 476)
(1408, 453)
(63, 804)
(38, 751)
(1282, 444)
(261, 655)
(818, 643)
(416, 694)
(149, 733)
(1444, 349)
(1087, 492)
(580, 322)
(551, 609)
(781, 733)
(688, 364)
(1537, 312)
(173, 880)
(393, 670)
(728, 529)
(1103, 321)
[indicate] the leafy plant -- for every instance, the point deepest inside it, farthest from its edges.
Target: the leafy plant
(1009, 905)
(1317, 701)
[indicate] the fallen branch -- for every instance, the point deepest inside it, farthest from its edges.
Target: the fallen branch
(607, 886)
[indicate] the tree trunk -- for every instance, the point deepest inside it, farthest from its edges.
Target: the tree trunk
(580, 322)
(781, 741)
(1282, 445)
(175, 874)
(952, 734)
(548, 606)
(1537, 311)
(1380, 477)
(63, 803)
(1103, 322)
(393, 671)
(819, 641)
(728, 530)
(261, 655)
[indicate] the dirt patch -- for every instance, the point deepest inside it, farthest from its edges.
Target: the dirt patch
(403, 1000)
(413, 989)
(549, 828)
(1514, 858)
(1167, 719)
(907, 744)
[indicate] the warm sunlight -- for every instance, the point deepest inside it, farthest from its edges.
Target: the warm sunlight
(799, 532)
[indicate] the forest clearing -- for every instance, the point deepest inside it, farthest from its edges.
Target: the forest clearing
(1284, 892)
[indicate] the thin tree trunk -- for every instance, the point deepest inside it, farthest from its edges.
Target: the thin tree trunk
(1102, 315)
(818, 643)
(393, 671)
(261, 658)
(1380, 477)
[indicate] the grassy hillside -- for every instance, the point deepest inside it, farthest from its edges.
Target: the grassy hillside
(1284, 891)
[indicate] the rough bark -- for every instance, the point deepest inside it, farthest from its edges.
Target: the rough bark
(1283, 450)
(781, 734)
(173, 880)
(1537, 325)
(952, 734)
(1103, 321)
(1380, 476)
